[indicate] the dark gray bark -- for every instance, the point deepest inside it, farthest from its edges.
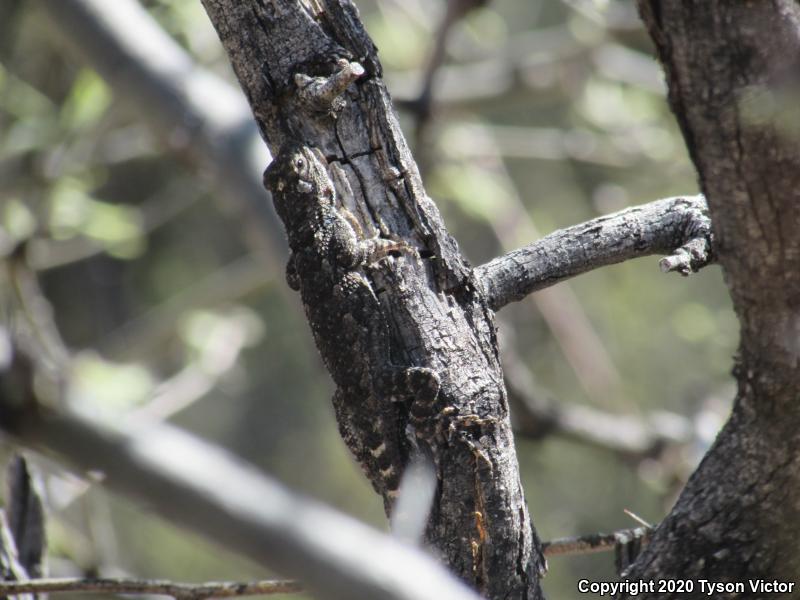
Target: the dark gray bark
(678, 226)
(732, 72)
(439, 317)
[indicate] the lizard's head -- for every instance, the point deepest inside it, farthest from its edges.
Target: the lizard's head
(298, 179)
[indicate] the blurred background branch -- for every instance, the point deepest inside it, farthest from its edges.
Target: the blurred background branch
(196, 114)
(537, 414)
(206, 490)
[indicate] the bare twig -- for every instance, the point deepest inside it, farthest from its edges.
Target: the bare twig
(677, 226)
(481, 140)
(182, 591)
(45, 253)
(526, 63)
(568, 546)
(560, 308)
(33, 309)
(596, 542)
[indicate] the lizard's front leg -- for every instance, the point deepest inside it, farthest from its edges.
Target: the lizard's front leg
(351, 250)
(374, 249)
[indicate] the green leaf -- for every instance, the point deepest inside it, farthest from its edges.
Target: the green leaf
(100, 383)
(117, 228)
(18, 220)
(87, 102)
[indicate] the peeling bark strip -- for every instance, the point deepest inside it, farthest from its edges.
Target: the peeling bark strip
(733, 74)
(675, 226)
(25, 516)
(284, 53)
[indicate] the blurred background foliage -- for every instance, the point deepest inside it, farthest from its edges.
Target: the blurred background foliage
(546, 113)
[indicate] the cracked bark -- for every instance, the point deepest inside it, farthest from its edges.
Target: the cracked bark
(440, 318)
(677, 227)
(731, 68)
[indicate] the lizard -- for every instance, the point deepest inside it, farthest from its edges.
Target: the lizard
(375, 400)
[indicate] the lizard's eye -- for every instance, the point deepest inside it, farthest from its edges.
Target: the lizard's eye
(299, 164)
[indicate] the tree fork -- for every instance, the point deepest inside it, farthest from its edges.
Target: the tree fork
(441, 320)
(731, 69)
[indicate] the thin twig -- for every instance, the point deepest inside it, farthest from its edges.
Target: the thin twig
(183, 591)
(586, 544)
(596, 542)
(45, 253)
(567, 546)
(144, 333)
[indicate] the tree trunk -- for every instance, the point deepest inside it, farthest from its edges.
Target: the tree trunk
(438, 316)
(732, 72)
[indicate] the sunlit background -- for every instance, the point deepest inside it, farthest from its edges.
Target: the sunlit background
(545, 114)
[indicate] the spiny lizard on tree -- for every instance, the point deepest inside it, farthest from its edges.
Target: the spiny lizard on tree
(374, 399)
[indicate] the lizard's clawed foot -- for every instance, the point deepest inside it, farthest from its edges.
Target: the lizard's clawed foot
(423, 383)
(377, 248)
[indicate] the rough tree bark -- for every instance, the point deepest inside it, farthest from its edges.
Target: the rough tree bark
(440, 319)
(725, 62)
(678, 227)
(732, 71)
(296, 62)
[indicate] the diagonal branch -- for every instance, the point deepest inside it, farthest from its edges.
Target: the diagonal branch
(676, 226)
(203, 488)
(536, 415)
(199, 486)
(566, 546)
